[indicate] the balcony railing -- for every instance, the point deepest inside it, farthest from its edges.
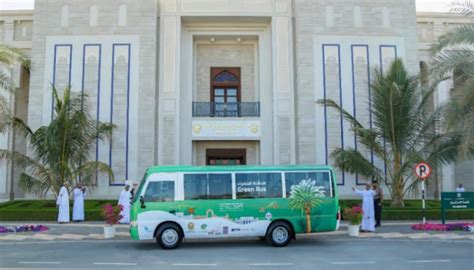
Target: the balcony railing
(231, 109)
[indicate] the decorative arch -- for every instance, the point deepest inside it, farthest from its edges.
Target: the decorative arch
(122, 15)
(357, 16)
(329, 16)
(93, 15)
(424, 73)
(65, 16)
(225, 77)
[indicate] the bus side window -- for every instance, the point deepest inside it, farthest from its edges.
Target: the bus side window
(320, 179)
(258, 185)
(213, 186)
(160, 191)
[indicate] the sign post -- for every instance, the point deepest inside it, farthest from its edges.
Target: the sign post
(423, 171)
(456, 201)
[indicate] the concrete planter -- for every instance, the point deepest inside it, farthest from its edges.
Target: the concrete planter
(353, 230)
(109, 232)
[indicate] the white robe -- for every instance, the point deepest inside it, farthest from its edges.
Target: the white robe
(63, 204)
(124, 200)
(368, 219)
(78, 209)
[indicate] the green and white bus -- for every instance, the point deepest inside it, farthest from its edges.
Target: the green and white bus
(273, 203)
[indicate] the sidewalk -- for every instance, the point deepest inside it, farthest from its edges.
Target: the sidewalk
(94, 231)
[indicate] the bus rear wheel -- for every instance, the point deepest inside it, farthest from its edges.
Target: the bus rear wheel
(169, 236)
(279, 234)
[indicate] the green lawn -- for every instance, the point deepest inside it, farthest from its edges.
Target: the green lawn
(45, 210)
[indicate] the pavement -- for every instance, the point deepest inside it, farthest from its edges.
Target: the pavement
(94, 231)
(393, 246)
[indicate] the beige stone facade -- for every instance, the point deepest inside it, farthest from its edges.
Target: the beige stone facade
(146, 67)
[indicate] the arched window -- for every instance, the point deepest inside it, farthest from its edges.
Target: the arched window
(329, 16)
(122, 15)
(357, 16)
(386, 17)
(65, 16)
(225, 91)
(424, 75)
(93, 14)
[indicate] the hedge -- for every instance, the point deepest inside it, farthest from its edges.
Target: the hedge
(45, 210)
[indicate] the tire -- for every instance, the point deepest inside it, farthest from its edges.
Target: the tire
(279, 234)
(169, 236)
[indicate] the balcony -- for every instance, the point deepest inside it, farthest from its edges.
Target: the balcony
(234, 109)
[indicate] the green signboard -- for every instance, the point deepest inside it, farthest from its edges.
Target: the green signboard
(456, 201)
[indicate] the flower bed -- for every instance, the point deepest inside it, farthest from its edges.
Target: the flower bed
(443, 227)
(23, 228)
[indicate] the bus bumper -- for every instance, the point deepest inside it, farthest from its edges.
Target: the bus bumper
(134, 231)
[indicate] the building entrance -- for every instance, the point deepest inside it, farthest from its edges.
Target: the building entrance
(226, 156)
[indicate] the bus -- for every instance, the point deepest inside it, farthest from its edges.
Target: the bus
(273, 203)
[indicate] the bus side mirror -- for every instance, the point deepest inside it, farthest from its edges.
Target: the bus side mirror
(142, 202)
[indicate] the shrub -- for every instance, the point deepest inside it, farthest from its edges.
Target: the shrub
(354, 215)
(111, 214)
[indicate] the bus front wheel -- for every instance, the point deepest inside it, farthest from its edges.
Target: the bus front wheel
(169, 236)
(279, 234)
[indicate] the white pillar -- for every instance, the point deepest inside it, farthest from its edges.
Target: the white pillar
(446, 172)
(169, 85)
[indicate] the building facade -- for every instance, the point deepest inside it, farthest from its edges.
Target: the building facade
(210, 82)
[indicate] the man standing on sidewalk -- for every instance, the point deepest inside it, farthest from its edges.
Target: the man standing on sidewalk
(62, 203)
(368, 221)
(78, 207)
(124, 201)
(378, 198)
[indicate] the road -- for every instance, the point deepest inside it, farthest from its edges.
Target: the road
(312, 252)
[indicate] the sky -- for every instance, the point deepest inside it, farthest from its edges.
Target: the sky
(421, 5)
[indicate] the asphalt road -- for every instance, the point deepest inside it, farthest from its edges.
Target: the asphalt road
(315, 252)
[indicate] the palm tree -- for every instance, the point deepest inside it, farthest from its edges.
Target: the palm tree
(304, 197)
(454, 54)
(402, 133)
(9, 56)
(60, 151)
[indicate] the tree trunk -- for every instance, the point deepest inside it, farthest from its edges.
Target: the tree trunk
(397, 183)
(397, 195)
(308, 219)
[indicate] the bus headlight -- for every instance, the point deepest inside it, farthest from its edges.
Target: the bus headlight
(133, 224)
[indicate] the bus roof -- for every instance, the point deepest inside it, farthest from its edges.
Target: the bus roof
(157, 169)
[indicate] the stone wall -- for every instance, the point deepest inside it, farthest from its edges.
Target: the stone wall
(336, 47)
(71, 40)
(226, 55)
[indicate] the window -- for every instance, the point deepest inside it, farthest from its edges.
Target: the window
(320, 178)
(220, 186)
(258, 185)
(225, 91)
(207, 186)
(160, 191)
(195, 186)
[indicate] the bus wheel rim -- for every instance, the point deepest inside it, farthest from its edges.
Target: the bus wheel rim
(170, 237)
(280, 235)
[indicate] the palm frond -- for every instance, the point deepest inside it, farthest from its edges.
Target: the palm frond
(464, 7)
(352, 161)
(463, 34)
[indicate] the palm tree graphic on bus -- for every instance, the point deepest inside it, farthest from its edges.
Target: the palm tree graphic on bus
(304, 197)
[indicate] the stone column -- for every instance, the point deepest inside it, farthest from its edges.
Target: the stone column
(283, 86)
(169, 85)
